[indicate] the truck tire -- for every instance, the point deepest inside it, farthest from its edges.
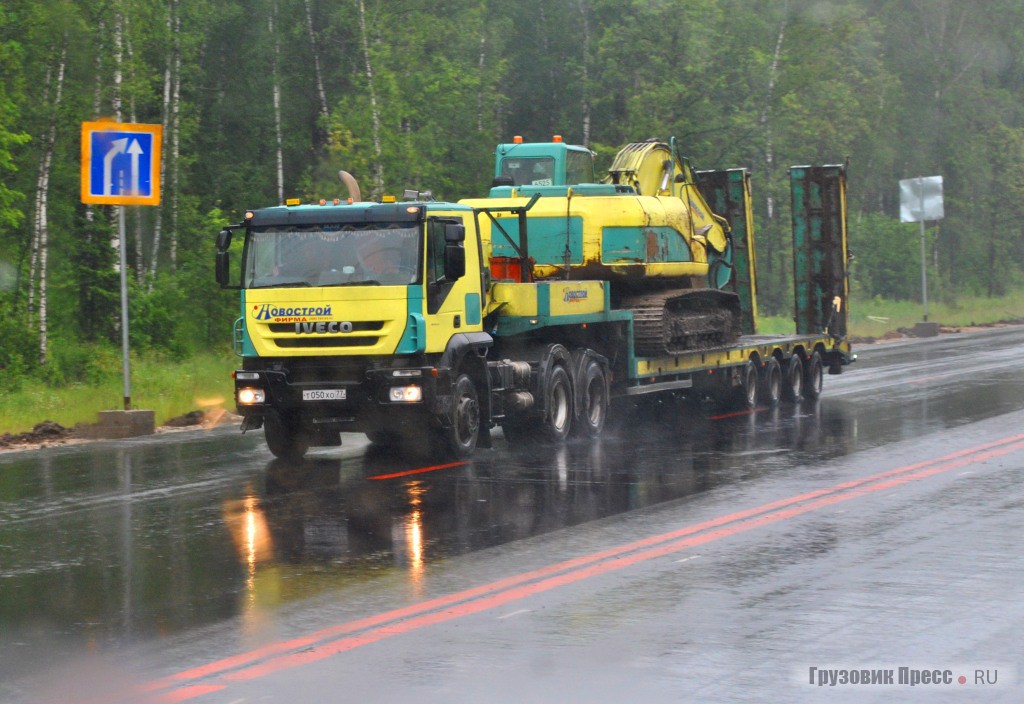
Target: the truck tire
(463, 431)
(558, 408)
(793, 380)
(593, 398)
(284, 438)
(814, 377)
(745, 395)
(771, 382)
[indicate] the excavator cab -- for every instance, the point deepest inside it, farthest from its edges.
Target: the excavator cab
(552, 163)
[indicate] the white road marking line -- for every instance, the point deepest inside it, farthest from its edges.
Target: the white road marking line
(515, 613)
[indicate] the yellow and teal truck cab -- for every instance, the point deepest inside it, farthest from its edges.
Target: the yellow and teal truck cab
(354, 316)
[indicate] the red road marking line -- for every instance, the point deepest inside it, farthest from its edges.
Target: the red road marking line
(517, 593)
(736, 414)
(512, 588)
(421, 470)
(185, 693)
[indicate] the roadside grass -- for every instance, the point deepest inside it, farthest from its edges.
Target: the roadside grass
(169, 388)
(876, 317)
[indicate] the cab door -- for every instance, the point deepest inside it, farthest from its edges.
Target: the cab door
(453, 297)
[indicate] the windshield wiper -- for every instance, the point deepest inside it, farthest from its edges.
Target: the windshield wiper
(367, 282)
(284, 284)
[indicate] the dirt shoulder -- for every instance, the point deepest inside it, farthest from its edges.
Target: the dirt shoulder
(50, 434)
(908, 333)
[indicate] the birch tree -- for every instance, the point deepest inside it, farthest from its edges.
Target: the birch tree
(41, 227)
(378, 151)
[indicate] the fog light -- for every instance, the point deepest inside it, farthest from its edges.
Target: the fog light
(249, 396)
(406, 394)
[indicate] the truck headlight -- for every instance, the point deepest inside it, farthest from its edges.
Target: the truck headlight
(248, 396)
(406, 394)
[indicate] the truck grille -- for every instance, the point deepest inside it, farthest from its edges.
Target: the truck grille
(322, 342)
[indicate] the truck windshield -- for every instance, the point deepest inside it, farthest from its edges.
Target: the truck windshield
(529, 170)
(325, 255)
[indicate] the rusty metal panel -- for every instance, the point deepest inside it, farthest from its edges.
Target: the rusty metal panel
(727, 192)
(820, 254)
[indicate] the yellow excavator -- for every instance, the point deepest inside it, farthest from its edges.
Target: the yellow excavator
(645, 227)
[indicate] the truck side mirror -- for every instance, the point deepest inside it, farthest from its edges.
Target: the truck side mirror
(454, 232)
(454, 262)
(223, 240)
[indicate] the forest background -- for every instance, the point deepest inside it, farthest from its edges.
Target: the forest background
(261, 100)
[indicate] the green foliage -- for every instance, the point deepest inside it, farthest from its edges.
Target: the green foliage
(887, 258)
(901, 88)
(11, 94)
(19, 348)
(74, 362)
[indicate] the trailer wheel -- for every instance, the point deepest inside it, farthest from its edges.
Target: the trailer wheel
(813, 377)
(461, 436)
(593, 387)
(557, 404)
(284, 438)
(771, 381)
(793, 386)
(746, 394)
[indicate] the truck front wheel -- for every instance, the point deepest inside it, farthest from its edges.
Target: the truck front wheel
(464, 430)
(284, 438)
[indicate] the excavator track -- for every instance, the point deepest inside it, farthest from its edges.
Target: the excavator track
(682, 320)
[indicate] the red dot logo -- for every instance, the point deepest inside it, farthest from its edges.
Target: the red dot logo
(962, 679)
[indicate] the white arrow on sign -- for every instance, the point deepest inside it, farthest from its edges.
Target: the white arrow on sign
(118, 147)
(135, 150)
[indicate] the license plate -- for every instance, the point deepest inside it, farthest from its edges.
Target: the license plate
(323, 394)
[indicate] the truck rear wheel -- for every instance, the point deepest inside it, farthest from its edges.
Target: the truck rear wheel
(793, 382)
(464, 430)
(284, 437)
(558, 404)
(771, 382)
(746, 394)
(593, 398)
(814, 377)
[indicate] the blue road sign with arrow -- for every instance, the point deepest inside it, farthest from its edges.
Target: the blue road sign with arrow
(121, 163)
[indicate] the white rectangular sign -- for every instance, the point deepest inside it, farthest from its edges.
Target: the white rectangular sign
(921, 199)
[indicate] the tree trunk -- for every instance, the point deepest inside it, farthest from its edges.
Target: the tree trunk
(276, 78)
(586, 72)
(41, 226)
(175, 136)
(479, 89)
(769, 152)
(378, 169)
(115, 101)
(317, 76)
(158, 216)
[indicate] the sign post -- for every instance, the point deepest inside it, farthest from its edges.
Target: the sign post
(121, 166)
(920, 200)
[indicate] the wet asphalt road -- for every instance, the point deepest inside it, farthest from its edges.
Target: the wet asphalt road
(687, 557)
